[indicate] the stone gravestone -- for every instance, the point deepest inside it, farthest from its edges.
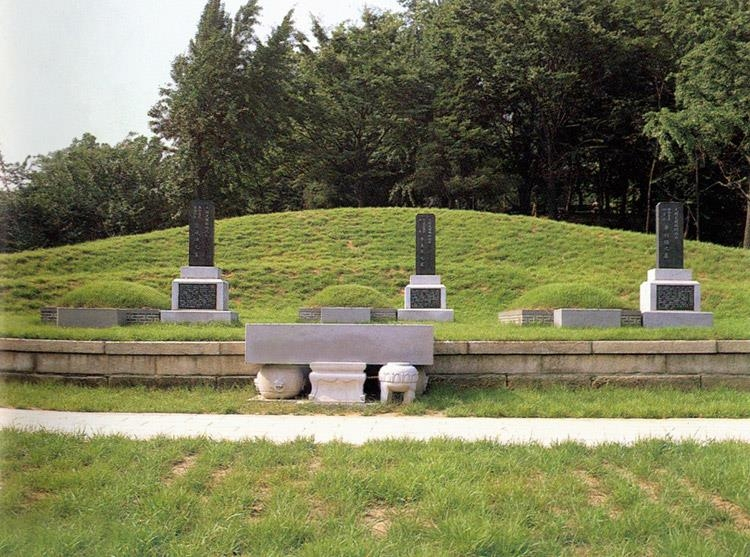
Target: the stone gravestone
(669, 251)
(425, 296)
(201, 234)
(200, 294)
(425, 242)
(670, 297)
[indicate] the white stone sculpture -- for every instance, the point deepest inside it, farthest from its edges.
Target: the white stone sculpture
(398, 377)
(341, 382)
(280, 381)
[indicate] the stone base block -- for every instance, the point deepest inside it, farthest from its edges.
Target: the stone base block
(425, 315)
(345, 315)
(587, 317)
(425, 280)
(670, 290)
(425, 292)
(200, 294)
(657, 319)
(198, 316)
(197, 272)
(669, 274)
(337, 382)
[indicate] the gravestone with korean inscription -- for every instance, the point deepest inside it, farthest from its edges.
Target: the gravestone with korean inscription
(670, 297)
(200, 294)
(425, 244)
(425, 296)
(201, 234)
(669, 231)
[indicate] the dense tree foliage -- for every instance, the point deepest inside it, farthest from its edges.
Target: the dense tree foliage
(226, 103)
(84, 192)
(585, 110)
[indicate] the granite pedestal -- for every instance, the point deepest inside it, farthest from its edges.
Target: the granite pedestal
(425, 300)
(199, 296)
(671, 298)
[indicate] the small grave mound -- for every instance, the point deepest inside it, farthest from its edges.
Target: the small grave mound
(113, 294)
(349, 295)
(567, 295)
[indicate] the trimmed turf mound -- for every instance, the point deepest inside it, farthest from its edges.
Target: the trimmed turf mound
(115, 294)
(570, 295)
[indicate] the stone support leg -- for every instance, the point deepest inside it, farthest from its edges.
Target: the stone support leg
(337, 382)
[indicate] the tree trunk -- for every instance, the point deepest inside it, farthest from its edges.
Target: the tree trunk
(746, 239)
(648, 195)
(697, 202)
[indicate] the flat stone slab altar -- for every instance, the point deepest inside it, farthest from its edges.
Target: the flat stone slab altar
(91, 317)
(345, 314)
(303, 343)
(575, 317)
(659, 319)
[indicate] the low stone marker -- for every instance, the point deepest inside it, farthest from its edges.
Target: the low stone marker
(338, 354)
(670, 297)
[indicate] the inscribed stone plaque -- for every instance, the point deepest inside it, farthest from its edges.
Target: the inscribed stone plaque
(196, 296)
(669, 254)
(201, 251)
(425, 233)
(425, 298)
(673, 297)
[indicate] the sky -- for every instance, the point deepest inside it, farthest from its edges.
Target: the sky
(68, 67)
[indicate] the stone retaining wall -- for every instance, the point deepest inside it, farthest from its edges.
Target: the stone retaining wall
(685, 364)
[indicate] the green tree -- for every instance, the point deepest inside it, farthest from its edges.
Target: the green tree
(711, 119)
(88, 191)
(224, 107)
(356, 94)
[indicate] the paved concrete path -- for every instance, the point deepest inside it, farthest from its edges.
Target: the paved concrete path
(360, 429)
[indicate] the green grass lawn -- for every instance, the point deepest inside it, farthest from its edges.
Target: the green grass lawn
(276, 263)
(553, 402)
(69, 495)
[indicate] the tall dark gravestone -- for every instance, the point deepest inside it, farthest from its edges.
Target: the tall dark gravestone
(201, 232)
(670, 297)
(424, 296)
(425, 244)
(669, 229)
(200, 294)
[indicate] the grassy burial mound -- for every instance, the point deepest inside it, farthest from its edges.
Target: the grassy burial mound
(276, 263)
